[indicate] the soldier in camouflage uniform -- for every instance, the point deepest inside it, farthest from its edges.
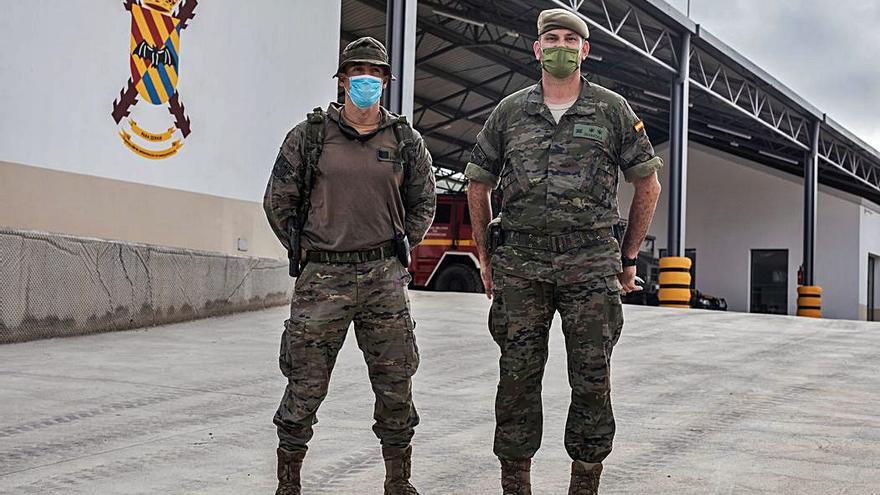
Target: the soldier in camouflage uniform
(368, 187)
(555, 149)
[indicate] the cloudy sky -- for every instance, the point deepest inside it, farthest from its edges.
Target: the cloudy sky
(828, 51)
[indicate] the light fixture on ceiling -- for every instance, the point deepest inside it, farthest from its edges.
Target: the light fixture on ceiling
(778, 157)
(597, 58)
(657, 95)
(734, 144)
(459, 18)
(642, 105)
(703, 134)
(729, 131)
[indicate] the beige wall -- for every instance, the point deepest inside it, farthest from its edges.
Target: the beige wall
(33, 198)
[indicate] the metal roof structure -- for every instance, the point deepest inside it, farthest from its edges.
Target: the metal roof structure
(472, 53)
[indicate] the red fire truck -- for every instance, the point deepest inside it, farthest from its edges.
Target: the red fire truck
(447, 259)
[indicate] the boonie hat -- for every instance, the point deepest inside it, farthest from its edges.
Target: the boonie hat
(364, 50)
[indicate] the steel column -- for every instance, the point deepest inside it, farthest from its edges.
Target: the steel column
(400, 33)
(678, 149)
(811, 188)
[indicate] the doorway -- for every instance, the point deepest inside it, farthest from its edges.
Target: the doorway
(873, 296)
(769, 286)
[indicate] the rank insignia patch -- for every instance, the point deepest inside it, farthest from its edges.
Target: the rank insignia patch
(593, 132)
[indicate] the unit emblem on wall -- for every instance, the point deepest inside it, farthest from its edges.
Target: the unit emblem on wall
(154, 58)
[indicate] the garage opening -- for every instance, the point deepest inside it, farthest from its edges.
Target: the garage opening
(873, 266)
(769, 287)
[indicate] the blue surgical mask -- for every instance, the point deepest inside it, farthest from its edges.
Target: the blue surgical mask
(364, 91)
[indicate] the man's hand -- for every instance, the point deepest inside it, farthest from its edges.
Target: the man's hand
(628, 280)
(486, 276)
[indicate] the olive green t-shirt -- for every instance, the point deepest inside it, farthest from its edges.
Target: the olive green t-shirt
(361, 196)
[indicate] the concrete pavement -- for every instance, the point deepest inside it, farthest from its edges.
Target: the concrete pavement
(707, 403)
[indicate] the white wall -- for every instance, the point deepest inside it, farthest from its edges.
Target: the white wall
(837, 243)
(869, 216)
(735, 206)
(248, 72)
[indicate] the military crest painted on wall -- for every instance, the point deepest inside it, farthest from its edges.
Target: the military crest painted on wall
(154, 60)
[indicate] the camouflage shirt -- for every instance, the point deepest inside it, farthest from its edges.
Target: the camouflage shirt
(561, 178)
(361, 194)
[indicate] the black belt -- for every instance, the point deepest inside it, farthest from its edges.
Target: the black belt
(557, 243)
(386, 250)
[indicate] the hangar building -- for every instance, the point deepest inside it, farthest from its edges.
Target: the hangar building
(94, 145)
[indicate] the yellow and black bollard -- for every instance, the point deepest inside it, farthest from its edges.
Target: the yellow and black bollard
(675, 282)
(809, 301)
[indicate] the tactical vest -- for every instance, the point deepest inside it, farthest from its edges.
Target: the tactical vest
(314, 146)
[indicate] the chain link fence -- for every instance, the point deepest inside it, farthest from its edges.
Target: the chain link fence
(56, 286)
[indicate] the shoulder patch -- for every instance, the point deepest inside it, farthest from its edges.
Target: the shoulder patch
(282, 167)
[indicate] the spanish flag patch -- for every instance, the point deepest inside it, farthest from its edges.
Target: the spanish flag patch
(639, 126)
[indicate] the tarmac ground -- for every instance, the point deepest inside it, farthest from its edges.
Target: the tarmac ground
(706, 403)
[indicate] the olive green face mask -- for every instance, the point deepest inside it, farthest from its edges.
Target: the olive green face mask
(560, 61)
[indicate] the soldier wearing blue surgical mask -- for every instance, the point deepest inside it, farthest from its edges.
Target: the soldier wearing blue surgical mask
(364, 83)
(351, 192)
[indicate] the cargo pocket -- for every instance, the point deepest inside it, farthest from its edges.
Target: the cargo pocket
(412, 348)
(307, 362)
(600, 183)
(498, 313)
(284, 357)
(613, 311)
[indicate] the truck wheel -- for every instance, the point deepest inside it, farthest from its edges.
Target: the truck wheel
(459, 278)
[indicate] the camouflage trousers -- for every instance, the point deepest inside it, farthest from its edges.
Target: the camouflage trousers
(327, 298)
(519, 320)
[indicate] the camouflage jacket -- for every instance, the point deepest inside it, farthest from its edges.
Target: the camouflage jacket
(417, 187)
(557, 179)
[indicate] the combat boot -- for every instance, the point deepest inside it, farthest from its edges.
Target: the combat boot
(289, 466)
(584, 478)
(516, 478)
(398, 467)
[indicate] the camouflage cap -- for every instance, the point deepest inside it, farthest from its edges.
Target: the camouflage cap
(364, 50)
(562, 19)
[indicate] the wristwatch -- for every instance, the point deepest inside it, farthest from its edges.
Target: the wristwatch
(628, 261)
